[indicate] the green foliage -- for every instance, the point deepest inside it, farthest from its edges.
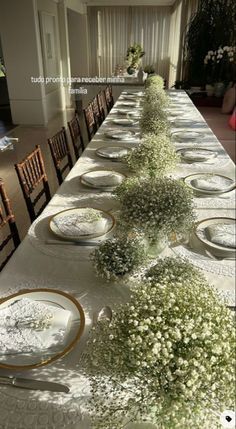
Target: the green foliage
(212, 26)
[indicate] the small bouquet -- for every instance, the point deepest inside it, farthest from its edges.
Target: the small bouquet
(119, 256)
(155, 156)
(154, 207)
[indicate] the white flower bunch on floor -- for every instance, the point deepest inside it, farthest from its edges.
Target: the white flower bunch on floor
(155, 156)
(166, 357)
(154, 207)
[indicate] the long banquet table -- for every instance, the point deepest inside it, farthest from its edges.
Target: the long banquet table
(36, 264)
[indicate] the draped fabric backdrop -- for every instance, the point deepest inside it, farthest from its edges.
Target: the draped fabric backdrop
(113, 29)
(159, 30)
(181, 14)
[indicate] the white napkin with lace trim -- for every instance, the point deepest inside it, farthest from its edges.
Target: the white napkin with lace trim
(214, 183)
(103, 178)
(222, 234)
(28, 326)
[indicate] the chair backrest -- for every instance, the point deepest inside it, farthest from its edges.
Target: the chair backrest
(60, 152)
(7, 220)
(90, 121)
(76, 136)
(109, 97)
(102, 104)
(96, 112)
(31, 174)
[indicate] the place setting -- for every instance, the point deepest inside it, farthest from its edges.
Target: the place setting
(75, 230)
(125, 135)
(210, 184)
(38, 326)
(102, 179)
(114, 153)
(197, 155)
(211, 246)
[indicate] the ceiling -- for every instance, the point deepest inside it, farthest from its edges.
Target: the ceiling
(129, 3)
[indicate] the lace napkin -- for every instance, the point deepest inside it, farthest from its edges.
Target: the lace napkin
(222, 234)
(103, 178)
(79, 224)
(198, 155)
(113, 152)
(214, 183)
(28, 326)
(119, 134)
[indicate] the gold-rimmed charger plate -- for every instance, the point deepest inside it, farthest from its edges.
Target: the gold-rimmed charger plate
(113, 152)
(73, 333)
(200, 232)
(211, 154)
(110, 224)
(100, 172)
(190, 178)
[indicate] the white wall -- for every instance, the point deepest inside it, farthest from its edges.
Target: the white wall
(54, 100)
(78, 43)
(20, 44)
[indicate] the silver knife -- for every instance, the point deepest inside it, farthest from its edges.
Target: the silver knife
(26, 383)
(75, 243)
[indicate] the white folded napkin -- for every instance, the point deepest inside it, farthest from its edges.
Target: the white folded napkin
(222, 234)
(214, 183)
(113, 152)
(103, 178)
(198, 155)
(29, 326)
(120, 134)
(81, 224)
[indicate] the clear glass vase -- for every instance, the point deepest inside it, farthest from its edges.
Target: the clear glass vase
(155, 247)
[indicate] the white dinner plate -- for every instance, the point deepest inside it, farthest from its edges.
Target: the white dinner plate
(202, 233)
(187, 135)
(118, 134)
(129, 97)
(74, 224)
(125, 122)
(226, 183)
(128, 103)
(112, 152)
(191, 154)
(74, 329)
(102, 179)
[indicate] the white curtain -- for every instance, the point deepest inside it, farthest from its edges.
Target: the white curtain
(150, 26)
(181, 14)
(113, 29)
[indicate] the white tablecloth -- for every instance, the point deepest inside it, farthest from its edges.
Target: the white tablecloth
(68, 268)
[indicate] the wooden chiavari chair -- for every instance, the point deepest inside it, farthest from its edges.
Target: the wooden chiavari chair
(96, 112)
(90, 121)
(102, 104)
(109, 97)
(60, 152)
(76, 136)
(7, 219)
(31, 174)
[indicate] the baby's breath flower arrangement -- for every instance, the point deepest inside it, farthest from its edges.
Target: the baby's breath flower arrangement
(156, 80)
(154, 156)
(154, 96)
(168, 269)
(167, 357)
(154, 120)
(119, 256)
(156, 207)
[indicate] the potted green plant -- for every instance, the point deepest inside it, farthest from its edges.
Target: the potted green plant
(216, 20)
(149, 69)
(133, 57)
